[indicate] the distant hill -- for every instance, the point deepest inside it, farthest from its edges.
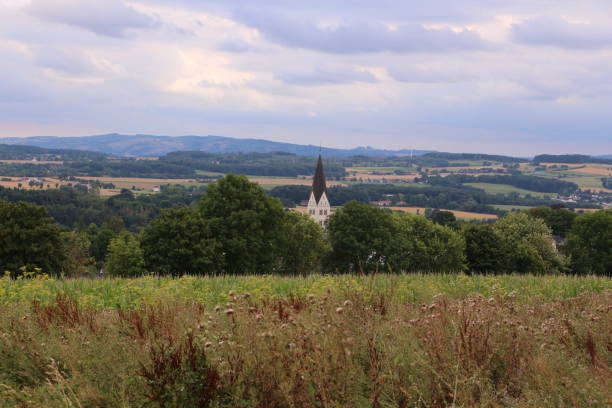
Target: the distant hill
(23, 152)
(605, 156)
(151, 145)
(571, 158)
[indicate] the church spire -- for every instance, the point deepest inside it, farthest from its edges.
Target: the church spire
(318, 182)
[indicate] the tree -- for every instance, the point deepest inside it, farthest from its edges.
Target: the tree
(589, 243)
(125, 257)
(530, 245)
(559, 220)
(421, 245)
(302, 245)
(29, 238)
(485, 250)
(444, 218)
(180, 242)
(245, 221)
(360, 236)
(77, 246)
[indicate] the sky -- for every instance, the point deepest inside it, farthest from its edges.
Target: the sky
(518, 77)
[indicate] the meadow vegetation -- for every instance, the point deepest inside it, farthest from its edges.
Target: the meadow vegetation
(316, 341)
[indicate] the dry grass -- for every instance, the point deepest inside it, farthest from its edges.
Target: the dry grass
(333, 350)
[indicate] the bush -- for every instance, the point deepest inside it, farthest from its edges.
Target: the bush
(590, 244)
(125, 257)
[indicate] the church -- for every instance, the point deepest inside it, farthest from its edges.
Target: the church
(318, 204)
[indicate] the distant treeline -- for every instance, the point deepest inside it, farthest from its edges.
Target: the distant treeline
(173, 165)
(72, 207)
(533, 183)
(463, 199)
(569, 158)
(17, 152)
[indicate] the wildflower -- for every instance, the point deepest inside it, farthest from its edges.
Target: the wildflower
(347, 303)
(339, 310)
(229, 311)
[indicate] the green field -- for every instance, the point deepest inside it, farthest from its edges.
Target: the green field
(505, 189)
(511, 207)
(126, 293)
(316, 341)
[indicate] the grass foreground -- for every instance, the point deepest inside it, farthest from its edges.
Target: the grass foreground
(316, 341)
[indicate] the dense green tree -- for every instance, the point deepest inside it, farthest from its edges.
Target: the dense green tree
(485, 250)
(590, 243)
(77, 247)
(245, 221)
(28, 238)
(180, 242)
(301, 245)
(559, 220)
(444, 218)
(361, 238)
(125, 256)
(419, 245)
(530, 245)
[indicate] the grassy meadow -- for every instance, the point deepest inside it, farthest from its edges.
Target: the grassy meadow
(419, 340)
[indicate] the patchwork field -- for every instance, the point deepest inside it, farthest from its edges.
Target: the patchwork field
(464, 215)
(342, 341)
(505, 189)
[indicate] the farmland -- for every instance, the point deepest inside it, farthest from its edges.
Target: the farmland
(505, 189)
(387, 340)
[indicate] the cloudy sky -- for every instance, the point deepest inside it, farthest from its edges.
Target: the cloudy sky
(519, 77)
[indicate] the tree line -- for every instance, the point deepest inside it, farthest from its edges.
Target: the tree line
(237, 228)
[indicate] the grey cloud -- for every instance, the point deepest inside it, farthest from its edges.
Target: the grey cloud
(431, 75)
(360, 36)
(111, 18)
(67, 62)
(326, 76)
(558, 32)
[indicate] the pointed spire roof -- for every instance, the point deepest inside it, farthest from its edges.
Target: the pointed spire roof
(318, 182)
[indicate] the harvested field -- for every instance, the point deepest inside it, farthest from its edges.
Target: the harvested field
(465, 215)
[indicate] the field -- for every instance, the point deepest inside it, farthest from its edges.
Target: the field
(505, 189)
(586, 175)
(464, 215)
(316, 341)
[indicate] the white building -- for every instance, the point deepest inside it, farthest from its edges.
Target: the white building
(318, 205)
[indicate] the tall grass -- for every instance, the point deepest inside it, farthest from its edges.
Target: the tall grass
(378, 346)
(210, 291)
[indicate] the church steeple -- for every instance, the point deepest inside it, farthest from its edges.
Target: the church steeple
(318, 205)
(318, 182)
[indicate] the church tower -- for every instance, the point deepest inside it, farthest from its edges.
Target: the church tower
(318, 205)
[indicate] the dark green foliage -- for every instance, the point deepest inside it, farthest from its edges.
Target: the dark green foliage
(530, 245)
(485, 250)
(590, 243)
(29, 238)
(559, 220)
(302, 245)
(180, 242)
(245, 221)
(419, 245)
(73, 206)
(361, 238)
(444, 218)
(569, 158)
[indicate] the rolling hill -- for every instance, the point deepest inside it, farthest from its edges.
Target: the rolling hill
(151, 145)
